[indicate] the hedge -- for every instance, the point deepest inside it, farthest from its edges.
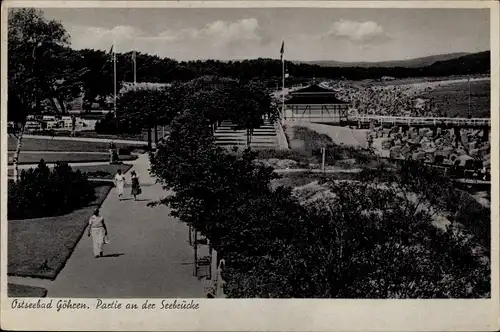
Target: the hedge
(42, 192)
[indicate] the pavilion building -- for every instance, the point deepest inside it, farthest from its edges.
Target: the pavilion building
(317, 104)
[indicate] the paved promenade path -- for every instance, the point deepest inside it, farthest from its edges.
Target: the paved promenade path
(149, 253)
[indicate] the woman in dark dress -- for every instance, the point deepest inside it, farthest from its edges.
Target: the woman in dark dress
(136, 188)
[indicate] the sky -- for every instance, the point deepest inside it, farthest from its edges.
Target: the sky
(309, 34)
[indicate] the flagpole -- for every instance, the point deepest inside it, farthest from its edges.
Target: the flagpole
(114, 75)
(135, 68)
(283, 80)
(468, 82)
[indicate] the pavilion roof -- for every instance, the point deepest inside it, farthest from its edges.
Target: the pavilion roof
(315, 100)
(312, 89)
(314, 95)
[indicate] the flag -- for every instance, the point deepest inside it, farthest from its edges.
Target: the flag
(108, 57)
(282, 51)
(133, 56)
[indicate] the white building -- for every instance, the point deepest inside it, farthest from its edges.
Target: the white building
(52, 124)
(66, 121)
(49, 118)
(33, 125)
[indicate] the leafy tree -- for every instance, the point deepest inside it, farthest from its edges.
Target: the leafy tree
(38, 68)
(146, 108)
(98, 80)
(219, 98)
(254, 103)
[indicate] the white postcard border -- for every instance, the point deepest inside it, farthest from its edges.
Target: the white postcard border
(266, 315)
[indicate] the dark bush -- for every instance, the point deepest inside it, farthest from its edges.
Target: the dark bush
(124, 151)
(97, 174)
(44, 132)
(113, 125)
(137, 148)
(42, 192)
(313, 141)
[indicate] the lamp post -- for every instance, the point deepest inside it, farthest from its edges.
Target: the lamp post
(34, 55)
(34, 72)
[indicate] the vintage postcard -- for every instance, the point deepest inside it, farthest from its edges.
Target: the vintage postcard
(250, 165)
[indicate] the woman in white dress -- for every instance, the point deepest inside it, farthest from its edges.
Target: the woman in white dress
(119, 183)
(98, 231)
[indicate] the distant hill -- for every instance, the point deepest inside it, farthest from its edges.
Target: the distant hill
(467, 64)
(410, 63)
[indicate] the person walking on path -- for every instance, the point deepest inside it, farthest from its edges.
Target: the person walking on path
(113, 153)
(119, 183)
(99, 233)
(136, 188)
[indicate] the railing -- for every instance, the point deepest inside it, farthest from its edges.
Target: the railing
(280, 135)
(473, 122)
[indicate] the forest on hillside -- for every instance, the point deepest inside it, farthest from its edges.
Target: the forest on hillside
(98, 78)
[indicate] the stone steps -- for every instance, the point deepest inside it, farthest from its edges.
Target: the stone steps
(263, 138)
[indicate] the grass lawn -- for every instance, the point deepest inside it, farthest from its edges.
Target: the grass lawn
(104, 171)
(33, 158)
(92, 134)
(14, 290)
(135, 137)
(101, 171)
(31, 144)
(32, 242)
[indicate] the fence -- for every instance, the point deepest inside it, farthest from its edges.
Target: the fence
(431, 121)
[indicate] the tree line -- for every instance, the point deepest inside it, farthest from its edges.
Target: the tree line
(151, 68)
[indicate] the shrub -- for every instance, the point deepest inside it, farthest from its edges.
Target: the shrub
(97, 174)
(42, 192)
(113, 125)
(298, 156)
(44, 132)
(313, 141)
(137, 148)
(468, 212)
(107, 125)
(124, 151)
